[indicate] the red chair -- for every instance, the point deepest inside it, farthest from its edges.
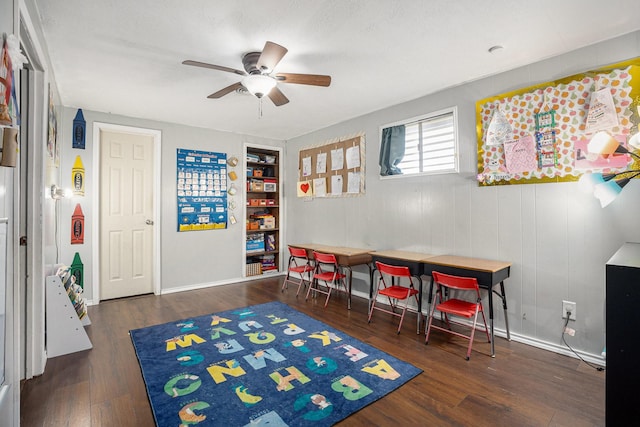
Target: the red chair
(445, 284)
(300, 264)
(328, 271)
(394, 292)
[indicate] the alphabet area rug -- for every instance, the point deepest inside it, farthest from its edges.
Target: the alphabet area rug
(266, 364)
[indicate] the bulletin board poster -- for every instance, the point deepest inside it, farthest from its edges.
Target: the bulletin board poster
(202, 190)
(332, 169)
(542, 133)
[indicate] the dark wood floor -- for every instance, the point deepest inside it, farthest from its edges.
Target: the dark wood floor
(521, 386)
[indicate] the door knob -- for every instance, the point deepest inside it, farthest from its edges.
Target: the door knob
(149, 222)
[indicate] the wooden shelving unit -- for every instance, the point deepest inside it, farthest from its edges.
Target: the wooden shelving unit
(262, 222)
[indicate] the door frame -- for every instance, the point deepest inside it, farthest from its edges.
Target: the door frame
(157, 150)
(35, 114)
(33, 355)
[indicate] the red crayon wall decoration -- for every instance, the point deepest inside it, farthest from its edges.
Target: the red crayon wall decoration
(77, 226)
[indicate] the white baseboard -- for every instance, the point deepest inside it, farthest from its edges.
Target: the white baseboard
(556, 348)
(220, 283)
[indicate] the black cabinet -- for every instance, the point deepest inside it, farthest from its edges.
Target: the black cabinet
(623, 343)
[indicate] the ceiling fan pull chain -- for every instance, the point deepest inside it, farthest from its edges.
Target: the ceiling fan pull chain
(260, 108)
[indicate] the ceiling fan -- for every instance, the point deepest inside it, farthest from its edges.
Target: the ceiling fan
(258, 78)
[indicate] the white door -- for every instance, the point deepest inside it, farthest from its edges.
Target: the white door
(8, 384)
(126, 214)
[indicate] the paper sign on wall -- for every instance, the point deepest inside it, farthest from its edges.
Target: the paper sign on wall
(520, 154)
(306, 166)
(602, 112)
(336, 185)
(304, 189)
(321, 163)
(320, 187)
(337, 159)
(353, 182)
(584, 160)
(353, 157)
(499, 129)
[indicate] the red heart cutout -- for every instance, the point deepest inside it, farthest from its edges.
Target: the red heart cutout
(304, 187)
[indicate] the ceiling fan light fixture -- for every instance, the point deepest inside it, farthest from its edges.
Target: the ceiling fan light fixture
(259, 84)
(257, 78)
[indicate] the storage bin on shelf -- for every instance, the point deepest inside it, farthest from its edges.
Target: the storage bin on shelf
(256, 185)
(265, 220)
(255, 243)
(254, 269)
(268, 263)
(270, 243)
(270, 185)
(261, 202)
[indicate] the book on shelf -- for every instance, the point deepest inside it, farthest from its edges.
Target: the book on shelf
(74, 291)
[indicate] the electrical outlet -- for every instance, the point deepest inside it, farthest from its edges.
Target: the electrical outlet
(569, 306)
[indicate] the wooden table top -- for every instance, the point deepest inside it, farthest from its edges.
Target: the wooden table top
(469, 263)
(307, 246)
(402, 255)
(478, 264)
(336, 250)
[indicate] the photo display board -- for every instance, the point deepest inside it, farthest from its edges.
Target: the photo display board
(201, 190)
(333, 169)
(542, 133)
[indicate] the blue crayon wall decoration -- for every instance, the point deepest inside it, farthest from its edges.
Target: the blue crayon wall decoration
(79, 130)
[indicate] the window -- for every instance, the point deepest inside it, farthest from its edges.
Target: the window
(423, 145)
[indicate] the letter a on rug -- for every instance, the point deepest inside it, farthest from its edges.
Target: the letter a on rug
(265, 365)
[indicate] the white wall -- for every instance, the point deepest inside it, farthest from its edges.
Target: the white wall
(557, 238)
(188, 259)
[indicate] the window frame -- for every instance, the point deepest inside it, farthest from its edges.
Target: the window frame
(422, 118)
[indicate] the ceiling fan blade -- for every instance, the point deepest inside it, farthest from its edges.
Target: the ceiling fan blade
(214, 67)
(277, 97)
(226, 90)
(304, 79)
(271, 55)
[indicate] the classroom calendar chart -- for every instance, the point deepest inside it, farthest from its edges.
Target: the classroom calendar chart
(201, 190)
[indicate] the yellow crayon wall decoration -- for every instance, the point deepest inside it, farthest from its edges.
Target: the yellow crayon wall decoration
(77, 177)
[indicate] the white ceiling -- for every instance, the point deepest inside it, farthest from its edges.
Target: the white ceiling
(124, 56)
